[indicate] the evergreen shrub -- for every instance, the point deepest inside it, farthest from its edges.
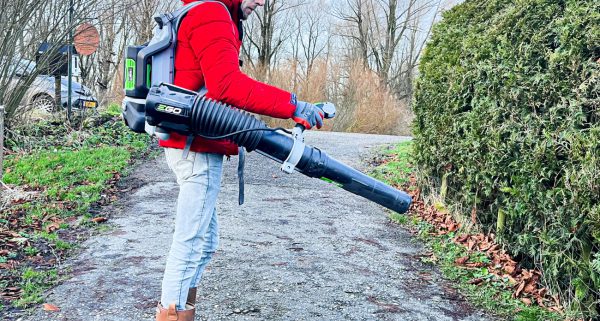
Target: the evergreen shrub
(507, 109)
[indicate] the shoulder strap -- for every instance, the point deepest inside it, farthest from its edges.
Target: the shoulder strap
(180, 13)
(184, 9)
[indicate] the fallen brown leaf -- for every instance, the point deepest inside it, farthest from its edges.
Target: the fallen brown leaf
(462, 238)
(484, 246)
(527, 301)
(476, 281)
(99, 219)
(461, 260)
(493, 249)
(510, 269)
(471, 244)
(475, 265)
(50, 307)
(555, 309)
(529, 288)
(519, 289)
(52, 227)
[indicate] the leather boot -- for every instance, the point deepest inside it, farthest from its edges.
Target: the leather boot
(171, 314)
(191, 298)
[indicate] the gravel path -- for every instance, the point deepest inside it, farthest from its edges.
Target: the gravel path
(299, 249)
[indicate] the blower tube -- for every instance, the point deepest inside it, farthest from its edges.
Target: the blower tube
(172, 108)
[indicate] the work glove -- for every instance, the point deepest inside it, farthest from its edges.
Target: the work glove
(308, 115)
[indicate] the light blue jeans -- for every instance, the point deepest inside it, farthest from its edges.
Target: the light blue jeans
(196, 235)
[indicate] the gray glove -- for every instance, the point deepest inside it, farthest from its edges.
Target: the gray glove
(308, 115)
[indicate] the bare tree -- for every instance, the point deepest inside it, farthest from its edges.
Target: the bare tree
(120, 23)
(110, 53)
(266, 33)
(27, 23)
(141, 17)
(142, 20)
(404, 69)
(389, 35)
(354, 15)
(315, 29)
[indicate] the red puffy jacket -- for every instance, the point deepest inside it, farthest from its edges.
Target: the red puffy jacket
(207, 54)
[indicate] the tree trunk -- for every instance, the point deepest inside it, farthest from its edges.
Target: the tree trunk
(268, 38)
(1, 141)
(57, 96)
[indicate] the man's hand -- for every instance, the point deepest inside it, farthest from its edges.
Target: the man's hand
(308, 115)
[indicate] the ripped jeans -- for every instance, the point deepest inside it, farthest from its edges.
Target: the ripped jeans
(196, 235)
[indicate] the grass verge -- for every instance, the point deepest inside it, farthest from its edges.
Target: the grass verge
(57, 175)
(477, 283)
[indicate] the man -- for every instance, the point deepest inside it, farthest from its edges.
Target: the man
(207, 55)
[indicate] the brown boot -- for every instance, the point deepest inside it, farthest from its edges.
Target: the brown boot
(191, 298)
(171, 314)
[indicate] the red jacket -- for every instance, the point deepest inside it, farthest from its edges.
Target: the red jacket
(207, 54)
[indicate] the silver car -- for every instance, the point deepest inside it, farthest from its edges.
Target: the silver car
(40, 95)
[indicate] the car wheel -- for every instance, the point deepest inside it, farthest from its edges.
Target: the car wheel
(44, 103)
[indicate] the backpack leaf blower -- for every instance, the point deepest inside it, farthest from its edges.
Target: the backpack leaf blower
(169, 108)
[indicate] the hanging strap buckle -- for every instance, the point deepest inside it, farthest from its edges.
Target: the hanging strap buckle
(295, 155)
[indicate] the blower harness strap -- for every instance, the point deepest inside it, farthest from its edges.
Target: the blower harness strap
(295, 155)
(293, 159)
(240, 172)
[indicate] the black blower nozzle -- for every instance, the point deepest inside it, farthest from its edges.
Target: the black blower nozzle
(176, 109)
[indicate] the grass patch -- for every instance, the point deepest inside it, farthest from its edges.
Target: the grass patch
(67, 171)
(398, 218)
(493, 294)
(33, 284)
(113, 109)
(396, 167)
(54, 240)
(76, 176)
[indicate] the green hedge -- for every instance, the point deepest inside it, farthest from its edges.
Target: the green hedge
(507, 108)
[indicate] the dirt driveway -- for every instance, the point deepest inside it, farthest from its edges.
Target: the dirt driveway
(299, 249)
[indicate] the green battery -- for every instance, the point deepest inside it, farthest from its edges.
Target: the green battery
(134, 85)
(129, 74)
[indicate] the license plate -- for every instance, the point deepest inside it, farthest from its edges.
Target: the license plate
(89, 104)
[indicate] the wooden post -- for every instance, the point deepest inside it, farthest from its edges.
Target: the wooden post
(1, 141)
(57, 96)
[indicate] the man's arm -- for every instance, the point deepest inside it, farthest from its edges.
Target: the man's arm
(213, 40)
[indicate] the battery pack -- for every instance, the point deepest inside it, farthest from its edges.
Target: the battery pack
(135, 87)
